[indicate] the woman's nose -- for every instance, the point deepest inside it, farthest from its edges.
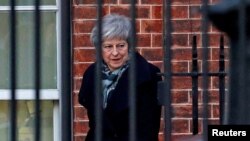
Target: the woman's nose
(114, 51)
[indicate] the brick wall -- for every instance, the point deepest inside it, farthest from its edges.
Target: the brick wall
(186, 22)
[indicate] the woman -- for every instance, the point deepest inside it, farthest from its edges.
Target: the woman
(115, 49)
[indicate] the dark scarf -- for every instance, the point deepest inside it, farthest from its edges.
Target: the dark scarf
(109, 81)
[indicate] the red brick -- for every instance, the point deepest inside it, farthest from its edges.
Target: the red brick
(142, 11)
(157, 12)
(199, 97)
(88, 12)
(110, 1)
(215, 82)
(180, 126)
(201, 53)
(143, 40)
(186, 137)
(213, 121)
(186, 25)
(93, 2)
(216, 111)
(180, 40)
(151, 26)
(80, 127)
(123, 10)
(214, 39)
(84, 27)
(157, 40)
(216, 54)
(81, 40)
(180, 97)
(77, 83)
(182, 54)
(80, 113)
(75, 99)
(152, 54)
(151, 2)
(84, 55)
(179, 67)
(85, 12)
(82, 2)
(213, 66)
(161, 137)
(181, 83)
(214, 96)
(179, 12)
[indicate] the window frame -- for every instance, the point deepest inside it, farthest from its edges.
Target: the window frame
(45, 94)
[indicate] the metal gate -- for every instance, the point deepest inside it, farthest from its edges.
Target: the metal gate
(64, 118)
(227, 114)
(239, 68)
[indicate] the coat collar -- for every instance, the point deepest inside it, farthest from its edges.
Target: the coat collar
(142, 69)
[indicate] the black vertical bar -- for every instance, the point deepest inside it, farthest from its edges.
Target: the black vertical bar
(98, 84)
(66, 71)
(239, 73)
(243, 52)
(13, 76)
(167, 42)
(37, 65)
(205, 68)
(195, 86)
(222, 79)
(132, 72)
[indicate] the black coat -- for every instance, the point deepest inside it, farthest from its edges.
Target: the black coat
(116, 115)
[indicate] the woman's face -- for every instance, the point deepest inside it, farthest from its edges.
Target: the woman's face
(115, 53)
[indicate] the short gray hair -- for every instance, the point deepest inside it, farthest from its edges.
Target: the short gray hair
(114, 26)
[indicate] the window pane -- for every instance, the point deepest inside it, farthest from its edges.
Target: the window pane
(25, 120)
(4, 50)
(27, 2)
(25, 50)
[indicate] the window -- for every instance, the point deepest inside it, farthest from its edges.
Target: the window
(25, 68)
(25, 120)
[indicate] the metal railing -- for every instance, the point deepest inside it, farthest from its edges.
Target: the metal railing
(195, 74)
(66, 74)
(239, 68)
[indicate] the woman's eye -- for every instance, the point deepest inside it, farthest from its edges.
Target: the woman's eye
(120, 46)
(108, 47)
